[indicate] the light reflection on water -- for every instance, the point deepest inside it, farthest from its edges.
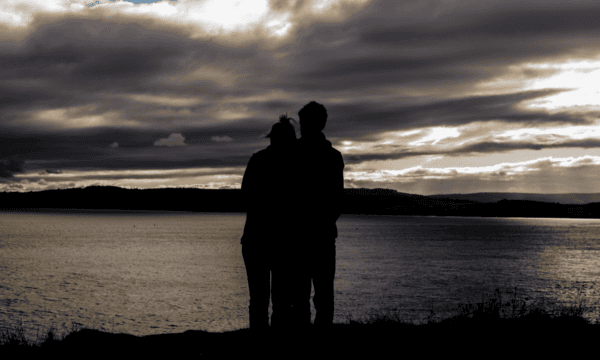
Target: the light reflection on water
(148, 273)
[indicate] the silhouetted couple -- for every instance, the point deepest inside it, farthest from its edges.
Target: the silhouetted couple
(293, 190)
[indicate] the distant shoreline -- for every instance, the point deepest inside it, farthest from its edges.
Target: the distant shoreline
(107, 199)
(182, 212)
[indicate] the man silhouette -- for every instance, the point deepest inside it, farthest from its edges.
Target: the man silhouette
(321, 188)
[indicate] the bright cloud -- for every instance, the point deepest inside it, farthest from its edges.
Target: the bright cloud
(435, 135)
(78, 117)
(582, 77)
(165, 100)
(174, 139)
(214, 17)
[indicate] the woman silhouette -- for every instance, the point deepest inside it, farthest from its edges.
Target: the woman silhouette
(268, 188)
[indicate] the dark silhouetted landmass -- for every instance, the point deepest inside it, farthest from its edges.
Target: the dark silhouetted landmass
(116, 198)
(356, 201)
(469, 339)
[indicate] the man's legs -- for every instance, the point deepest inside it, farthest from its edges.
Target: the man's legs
(323, 273)
(300, 284)
(281, 288)
(259, 285)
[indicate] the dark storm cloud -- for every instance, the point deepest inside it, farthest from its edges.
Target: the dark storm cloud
(398, 44)
(91, 149)
(501, 21)
(478, 148)
(495, 147)
(12, 165)
(97, 66)
(361, 117)
(95, 55)
(78, 62)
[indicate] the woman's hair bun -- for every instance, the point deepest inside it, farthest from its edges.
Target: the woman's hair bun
(284, 119)
(283, 128)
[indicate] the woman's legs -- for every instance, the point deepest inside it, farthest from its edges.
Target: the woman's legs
(283, 283)
(259, 285)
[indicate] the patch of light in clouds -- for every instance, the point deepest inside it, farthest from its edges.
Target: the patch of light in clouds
(222, 77)
(174, 139)
(76, 117)
(581, 76)
(230, 15)
(158, 9)
(435, 135)
(406, 133)
(215, 17)
(258, 97)
(233, 113)
(580, 79)
(571, 132)
(165, 100)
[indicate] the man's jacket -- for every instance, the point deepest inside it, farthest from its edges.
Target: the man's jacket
(321, 188)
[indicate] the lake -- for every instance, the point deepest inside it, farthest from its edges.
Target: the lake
(158, 272)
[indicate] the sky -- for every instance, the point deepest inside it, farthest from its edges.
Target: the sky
(423, 97)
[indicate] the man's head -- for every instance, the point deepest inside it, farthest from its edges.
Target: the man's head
(313, 117)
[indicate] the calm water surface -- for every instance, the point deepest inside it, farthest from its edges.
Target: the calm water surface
(149, 273)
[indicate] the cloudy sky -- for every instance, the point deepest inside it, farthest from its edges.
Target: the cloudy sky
(424, 97)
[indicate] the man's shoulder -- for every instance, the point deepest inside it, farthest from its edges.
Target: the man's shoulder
(323, 149)
(334, 153)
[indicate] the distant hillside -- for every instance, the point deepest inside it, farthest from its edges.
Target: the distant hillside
(493, 197)
(355, 201)
(116, 198)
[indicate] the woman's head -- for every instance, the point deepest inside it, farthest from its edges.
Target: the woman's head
(282, 132)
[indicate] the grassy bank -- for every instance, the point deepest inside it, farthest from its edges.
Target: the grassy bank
(494, 326)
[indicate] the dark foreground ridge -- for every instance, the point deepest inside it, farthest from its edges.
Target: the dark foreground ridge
(496, 326)
(355, 201)
(532, 336)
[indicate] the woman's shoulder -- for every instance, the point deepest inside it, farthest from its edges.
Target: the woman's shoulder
(260, 154)
(272, 152)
